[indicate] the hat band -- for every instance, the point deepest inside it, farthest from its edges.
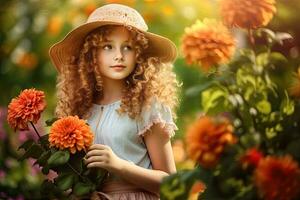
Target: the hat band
(118, 17)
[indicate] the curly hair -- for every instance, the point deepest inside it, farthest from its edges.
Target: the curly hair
(80, 82)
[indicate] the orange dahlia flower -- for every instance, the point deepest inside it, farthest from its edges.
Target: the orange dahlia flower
(278, 178)
(27, 107)
(71, 133)
(206, 139)
(248, 14)
(251, 158)
(207, 43)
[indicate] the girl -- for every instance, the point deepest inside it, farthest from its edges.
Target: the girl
(118, 77)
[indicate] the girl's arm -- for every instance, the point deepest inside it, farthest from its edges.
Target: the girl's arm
(162, 159)
(160, 152)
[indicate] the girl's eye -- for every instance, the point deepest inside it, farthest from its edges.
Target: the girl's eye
(127, 47)
(107, 47)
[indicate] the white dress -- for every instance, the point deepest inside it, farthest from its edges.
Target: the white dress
(125, 135)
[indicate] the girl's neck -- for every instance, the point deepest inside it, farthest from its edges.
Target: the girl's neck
(112, 91)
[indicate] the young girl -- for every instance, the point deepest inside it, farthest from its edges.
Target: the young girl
(118, 77)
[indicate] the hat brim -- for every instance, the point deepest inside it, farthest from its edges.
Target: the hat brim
(60, 52)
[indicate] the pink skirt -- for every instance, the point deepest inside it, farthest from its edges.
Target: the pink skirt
(119, 190)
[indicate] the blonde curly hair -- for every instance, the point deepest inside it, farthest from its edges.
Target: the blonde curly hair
(80, 82)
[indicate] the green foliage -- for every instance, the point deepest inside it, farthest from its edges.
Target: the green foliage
(81, 189)
(64, 181)
(59, 158)
(215, 100)
(33, 151)
(178, 185)
(262, 112)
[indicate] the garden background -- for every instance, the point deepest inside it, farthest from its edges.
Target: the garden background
(248, 92)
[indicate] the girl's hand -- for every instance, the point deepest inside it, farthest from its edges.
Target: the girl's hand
(100, 155)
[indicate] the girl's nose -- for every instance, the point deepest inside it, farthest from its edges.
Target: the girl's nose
(119, 55)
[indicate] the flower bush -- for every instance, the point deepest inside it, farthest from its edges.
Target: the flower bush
(261, 155)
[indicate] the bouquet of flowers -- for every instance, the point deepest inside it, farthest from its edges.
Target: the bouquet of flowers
(61, 151)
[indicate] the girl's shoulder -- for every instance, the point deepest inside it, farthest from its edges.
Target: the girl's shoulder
(156, 112)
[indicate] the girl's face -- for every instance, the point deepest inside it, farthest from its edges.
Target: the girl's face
(116, 55)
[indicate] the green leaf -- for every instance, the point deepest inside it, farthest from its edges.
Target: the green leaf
(215, 100)
(270, 133)
(211, 191)
(44, 140)
(248, 94)
(244, 78)
(76, 160)
(45, 169)
(264, 107)
(83, 188)
(59, 158)
(34, 151)
(50, 191)
(64, 181)
(232, 186)
(177, 186)
(249, 54)
(278, 58)
(275, 116)
(262, 59)
(42, 160)
(173, 188)
(271, 36)
(204, 174)
(195, 90)
(278, 128)
(27, 144)
(49, 122)
(287, 106)
(96, 175)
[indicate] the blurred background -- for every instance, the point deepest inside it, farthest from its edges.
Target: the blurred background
(30, 27)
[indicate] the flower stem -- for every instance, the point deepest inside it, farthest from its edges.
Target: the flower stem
(35, 130)
(250, 32)
(75, 171)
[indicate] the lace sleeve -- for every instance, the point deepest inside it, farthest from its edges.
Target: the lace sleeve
(157, 114)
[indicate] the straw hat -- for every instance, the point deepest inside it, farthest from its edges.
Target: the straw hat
(111, 14)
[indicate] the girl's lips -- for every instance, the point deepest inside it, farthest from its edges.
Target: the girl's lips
(118, 67)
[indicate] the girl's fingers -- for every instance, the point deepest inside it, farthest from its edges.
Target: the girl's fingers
(95, 164)
(98, 146)
(94, 159)
(95, 152)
